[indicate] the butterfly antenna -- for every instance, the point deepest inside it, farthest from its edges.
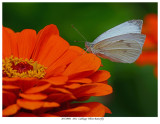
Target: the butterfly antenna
(78, 32)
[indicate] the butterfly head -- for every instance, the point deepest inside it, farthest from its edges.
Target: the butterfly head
(89, 46)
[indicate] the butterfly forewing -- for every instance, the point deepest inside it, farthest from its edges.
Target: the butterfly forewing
(132, 26)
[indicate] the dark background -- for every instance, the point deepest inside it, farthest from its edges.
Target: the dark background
(134, 88)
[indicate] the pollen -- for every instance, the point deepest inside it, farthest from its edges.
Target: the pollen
(18, 67)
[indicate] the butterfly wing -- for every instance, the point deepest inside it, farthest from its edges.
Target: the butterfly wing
(124, 48)
(132, 26)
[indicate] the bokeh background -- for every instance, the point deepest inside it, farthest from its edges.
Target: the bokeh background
(134, 87)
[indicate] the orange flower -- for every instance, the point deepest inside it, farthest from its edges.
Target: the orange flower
(149, 55)
(43, 75)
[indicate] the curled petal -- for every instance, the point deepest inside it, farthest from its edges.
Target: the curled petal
(95, 89)
(38, 89)
(95, 110)
(61, 90)
(9, 87)
(73, 86)
(50, 104)
(86, 64)
(33, 105)
(30, 105)
(37, 96)
(11, 110)
(80, 80)
(59, 80)
(100, 76)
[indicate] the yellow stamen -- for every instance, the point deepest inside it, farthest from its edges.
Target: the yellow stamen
(18, 67)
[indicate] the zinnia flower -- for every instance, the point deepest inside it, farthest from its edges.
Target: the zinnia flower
(43, 75)
(149, 55)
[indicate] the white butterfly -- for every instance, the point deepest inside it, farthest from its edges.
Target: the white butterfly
(122, 43)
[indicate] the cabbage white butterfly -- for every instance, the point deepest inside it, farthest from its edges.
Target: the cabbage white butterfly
(122, 43)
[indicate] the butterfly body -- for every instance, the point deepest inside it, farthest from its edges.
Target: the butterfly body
(122, 43)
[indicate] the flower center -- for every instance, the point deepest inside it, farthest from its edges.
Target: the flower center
(22, 67)
(18, 67)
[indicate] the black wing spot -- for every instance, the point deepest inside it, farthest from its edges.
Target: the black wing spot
(125, 51)
(128, 44)
(121, 41)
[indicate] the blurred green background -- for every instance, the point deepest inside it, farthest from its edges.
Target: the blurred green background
(134, 88)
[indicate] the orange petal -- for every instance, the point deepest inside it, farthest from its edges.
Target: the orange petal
(87, 63)
(30, 105)
(73, 86)
(78, 109)
(59, 80)
(80, 80)
(95, 89)
(96, 110)
(51, 104)
(38, 89)
(149, 45)
(9, 98)
(60, 98)
(148, 57)
(72, 53)
(26, 43)
(107, 110)
(6, 79)
(61, 90)
(13, 40)
(100, 76)
(22, 83)
(6, 43)
(54, 48)
(11, 110)
(37, 96)
(6, 87)
(42, 38)
(150, 26)
(55, 72)
(59, 94)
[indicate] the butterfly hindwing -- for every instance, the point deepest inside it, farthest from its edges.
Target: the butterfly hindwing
(124, 48)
